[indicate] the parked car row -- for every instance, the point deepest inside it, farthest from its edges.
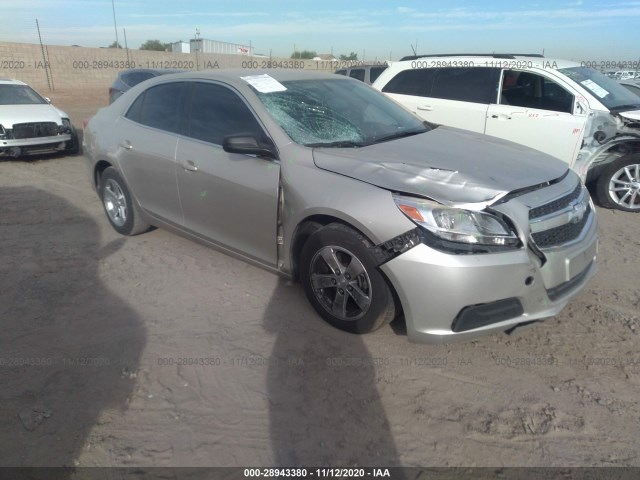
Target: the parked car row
(631, 85)
(576, 114)
(377, 213)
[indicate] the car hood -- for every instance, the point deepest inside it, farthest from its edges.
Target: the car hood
(11, 114)
(631, 115)
(449, 165)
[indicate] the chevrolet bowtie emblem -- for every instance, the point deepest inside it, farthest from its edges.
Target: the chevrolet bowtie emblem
(577, 211)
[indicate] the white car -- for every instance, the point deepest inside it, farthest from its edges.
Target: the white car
(563, 108)
(29, 124)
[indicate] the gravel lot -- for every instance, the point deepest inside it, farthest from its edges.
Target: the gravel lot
(157, 351)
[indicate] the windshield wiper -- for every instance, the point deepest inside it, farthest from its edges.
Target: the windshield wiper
(393, 136)
(337, 144)
(620, 108)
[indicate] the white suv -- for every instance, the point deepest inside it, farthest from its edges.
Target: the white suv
(559, 107)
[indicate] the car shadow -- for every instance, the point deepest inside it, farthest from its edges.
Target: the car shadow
(324, 406)
(69, 347)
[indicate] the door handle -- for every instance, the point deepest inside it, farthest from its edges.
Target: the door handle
(501, 117)
(126, 144)
(189, 165)
(428, 108)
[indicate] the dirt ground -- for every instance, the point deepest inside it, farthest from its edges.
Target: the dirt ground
(157, 351)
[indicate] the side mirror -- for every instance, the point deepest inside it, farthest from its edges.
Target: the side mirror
(248, 145)
(47, 99)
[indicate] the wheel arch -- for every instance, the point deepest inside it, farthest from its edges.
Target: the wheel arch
(615, 150)
(99, 167)
(310, 225)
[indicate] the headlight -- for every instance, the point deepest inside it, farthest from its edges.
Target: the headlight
(458, 225)
(65, 127)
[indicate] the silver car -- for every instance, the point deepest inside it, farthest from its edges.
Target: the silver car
(321, 178)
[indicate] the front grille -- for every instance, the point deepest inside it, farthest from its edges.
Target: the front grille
(35, 130)
(556, 205)
(562, 234)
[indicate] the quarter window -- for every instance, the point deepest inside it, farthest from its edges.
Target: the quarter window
(375, 72)
(357, 73)
(216, 111)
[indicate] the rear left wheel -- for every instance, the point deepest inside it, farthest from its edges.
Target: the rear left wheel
(341, 280)
(120, 207)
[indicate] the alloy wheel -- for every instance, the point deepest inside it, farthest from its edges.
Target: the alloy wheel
(341, 283)
(624, 186)
(115, 202)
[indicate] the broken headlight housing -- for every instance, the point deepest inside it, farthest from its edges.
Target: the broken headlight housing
(456, 229)
(65, 127)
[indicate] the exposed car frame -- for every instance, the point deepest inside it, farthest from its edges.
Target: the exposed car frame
(599, 143)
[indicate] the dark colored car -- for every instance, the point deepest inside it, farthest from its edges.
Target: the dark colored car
(130, 78)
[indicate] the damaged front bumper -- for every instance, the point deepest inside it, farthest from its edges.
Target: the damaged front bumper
(448, 297)
(21, 146)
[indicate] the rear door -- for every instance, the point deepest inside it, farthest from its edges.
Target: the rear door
(228, 198)
(147, 147)
(537, 111)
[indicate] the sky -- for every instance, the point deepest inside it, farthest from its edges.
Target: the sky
(582, 30)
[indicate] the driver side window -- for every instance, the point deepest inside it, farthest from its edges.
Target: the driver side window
(216, 111)
(530, 90)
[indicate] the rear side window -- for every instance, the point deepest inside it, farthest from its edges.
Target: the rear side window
(412, 82)
(357, 73)
(134, 78)
(217, 111)
(341, 72)
(375, 72)
(159, 107)
(475, 84)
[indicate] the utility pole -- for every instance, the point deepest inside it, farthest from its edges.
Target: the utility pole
(115, 28)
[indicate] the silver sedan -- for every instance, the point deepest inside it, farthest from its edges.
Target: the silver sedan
(321, 178)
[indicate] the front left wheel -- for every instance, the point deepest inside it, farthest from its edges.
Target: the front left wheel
(120, 207)
(340, 278)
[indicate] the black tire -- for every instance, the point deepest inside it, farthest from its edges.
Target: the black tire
(73, 146)
(613, 175)
(343, 245)
(119, 206)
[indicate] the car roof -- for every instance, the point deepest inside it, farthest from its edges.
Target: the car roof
(10, 81)
(160, 71)
(493, 61)
(234, 76)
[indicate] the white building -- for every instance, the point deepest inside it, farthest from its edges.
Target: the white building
(214, 46)
(180, 47)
